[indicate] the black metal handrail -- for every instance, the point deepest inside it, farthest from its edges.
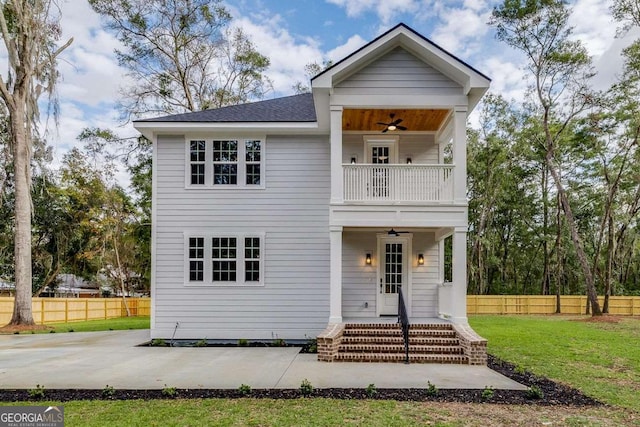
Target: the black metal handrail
(403, 319)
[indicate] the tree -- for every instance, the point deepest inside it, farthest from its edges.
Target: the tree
(30, 30)
(560, 68)
(181, 55)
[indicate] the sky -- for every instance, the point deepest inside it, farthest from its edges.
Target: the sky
(293, 33)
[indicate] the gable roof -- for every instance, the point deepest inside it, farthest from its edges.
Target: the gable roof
(392, 30)
(296, 108)
(473, 82)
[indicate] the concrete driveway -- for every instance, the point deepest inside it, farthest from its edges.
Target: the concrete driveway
(92, 360)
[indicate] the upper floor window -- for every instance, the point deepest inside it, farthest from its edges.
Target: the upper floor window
(197, 162)
(225, 163)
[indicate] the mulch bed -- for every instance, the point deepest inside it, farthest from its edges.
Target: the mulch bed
(553, 393)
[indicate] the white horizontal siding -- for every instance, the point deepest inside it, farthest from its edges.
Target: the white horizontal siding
(424, 291)
(398, 73)
(293, 213)
(359, 281)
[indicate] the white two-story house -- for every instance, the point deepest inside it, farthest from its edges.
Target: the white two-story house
(305, 216)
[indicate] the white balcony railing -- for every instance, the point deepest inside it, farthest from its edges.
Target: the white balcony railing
(398, 183)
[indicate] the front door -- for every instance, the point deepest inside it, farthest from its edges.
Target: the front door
(392, 273)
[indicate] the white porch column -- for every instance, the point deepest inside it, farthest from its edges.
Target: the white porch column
(460, 154)
(336, 154)
(459, 271)
(335, 277)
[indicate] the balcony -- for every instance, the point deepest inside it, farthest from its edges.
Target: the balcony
(398, 183)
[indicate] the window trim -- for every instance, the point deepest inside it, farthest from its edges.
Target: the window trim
(240, 259)
(241, 182)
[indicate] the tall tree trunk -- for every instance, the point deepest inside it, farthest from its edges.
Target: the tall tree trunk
(608, 277)
(22, 314)
(545, 230)
(573, 228)
(120, 273)
(559, 269)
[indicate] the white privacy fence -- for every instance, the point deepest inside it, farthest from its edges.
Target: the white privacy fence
(398, 183)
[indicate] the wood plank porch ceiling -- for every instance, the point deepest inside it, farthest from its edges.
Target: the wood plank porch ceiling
(357, 119)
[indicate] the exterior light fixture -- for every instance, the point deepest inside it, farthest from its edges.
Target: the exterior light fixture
(409, 160)
(353, 160)
(420, 259)
(367, 259)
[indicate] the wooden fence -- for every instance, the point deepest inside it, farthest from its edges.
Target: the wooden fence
(58, 310)
(546, 304)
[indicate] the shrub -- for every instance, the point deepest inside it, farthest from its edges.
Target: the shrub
(306, 388)
(244, 389)
(201, 343)
(534, 392)
(37, 392)
(371, 390)
(158, 342)
(279, 342)
(487, 393)
(169, 391)
(312, 345)
(243, 342)
(432, 390)
(108, 392)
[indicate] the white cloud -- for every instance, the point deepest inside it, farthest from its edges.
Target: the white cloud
(386, 10)
(353, 43)
(462, 29)
(593, 25)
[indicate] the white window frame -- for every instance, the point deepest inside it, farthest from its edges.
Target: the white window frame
(241, 182)
(196, 162)
(208, 259)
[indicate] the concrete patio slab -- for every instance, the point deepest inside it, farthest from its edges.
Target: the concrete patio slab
(92, 360)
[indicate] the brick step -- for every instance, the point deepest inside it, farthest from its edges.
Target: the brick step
(392, 325)
(432, 333)
(438, 326)
(416, 340)
(400, 357)
(399, 348)
(348, 332)
(398, 332)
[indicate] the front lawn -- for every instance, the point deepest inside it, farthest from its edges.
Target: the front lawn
(116, 324)
(602, 359)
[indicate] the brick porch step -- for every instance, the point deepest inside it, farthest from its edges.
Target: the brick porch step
(399, 348)
(397, 339)
(400, 358)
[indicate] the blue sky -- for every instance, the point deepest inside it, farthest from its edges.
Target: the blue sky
(293, 33)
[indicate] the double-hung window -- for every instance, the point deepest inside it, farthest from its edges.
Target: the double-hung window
(225, 163)
(224, 251)
(196, 259)
(233, 259)
(197, 162)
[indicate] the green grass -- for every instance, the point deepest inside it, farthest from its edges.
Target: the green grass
(117, 324)
(328, 412)
(600, 359)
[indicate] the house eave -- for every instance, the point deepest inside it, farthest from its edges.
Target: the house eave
(152, 129)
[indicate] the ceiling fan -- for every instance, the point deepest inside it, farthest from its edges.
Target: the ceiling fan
(393, 232)
(392, 125)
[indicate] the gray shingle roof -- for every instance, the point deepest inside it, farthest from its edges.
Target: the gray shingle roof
(296, 108)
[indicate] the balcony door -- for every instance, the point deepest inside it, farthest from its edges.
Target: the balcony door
(393, 272)
(380, 151)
